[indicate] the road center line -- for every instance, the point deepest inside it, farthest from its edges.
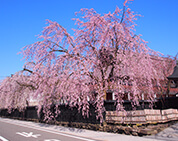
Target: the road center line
(45, 130)
(3, 139)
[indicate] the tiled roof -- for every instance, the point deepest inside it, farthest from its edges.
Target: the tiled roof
(174, 75)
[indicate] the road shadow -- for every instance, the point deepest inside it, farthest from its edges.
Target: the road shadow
(168, 134)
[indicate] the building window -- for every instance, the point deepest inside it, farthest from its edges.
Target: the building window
(109, 96)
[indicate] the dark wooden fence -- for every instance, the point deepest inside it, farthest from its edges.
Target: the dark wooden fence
(72, 115)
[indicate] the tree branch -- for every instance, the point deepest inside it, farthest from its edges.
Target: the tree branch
(25, 69)
(123, 15)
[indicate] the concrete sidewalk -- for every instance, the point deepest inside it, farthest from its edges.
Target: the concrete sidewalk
(168, 134)
(95, 135)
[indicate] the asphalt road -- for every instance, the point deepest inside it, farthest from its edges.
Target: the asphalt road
(18, 130)
(11, 131)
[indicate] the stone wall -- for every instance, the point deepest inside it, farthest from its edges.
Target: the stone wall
(141, 116)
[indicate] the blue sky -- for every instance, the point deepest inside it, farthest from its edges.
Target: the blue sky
(22, 20)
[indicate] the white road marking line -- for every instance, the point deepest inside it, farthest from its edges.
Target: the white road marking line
(3, 139)
(45, 130)
(22, 134)
(51, 140)
(28, 134)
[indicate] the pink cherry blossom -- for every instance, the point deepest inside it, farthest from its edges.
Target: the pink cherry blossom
(103, 54)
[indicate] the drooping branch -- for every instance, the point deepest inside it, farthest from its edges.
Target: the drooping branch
(26, 85)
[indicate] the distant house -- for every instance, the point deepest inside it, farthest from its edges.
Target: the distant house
(173, 83)
(169, 90)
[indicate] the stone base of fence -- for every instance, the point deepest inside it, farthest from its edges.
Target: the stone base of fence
(141, 116)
